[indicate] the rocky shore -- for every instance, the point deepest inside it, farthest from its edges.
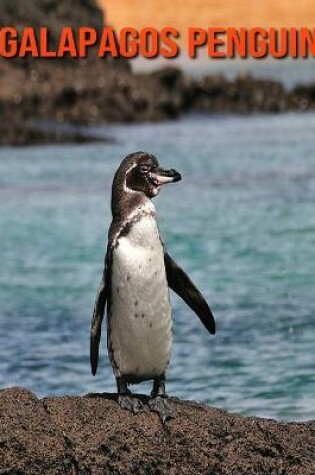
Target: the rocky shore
(92, 435)
(92, 91)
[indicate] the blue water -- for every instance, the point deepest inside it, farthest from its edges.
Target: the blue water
(242, 223)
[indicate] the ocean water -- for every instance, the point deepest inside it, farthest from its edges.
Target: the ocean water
(241, 223)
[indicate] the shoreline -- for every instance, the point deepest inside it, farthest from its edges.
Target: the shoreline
(36, 134)
(166, 94)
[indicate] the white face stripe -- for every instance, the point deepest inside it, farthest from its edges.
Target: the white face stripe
(126, 187)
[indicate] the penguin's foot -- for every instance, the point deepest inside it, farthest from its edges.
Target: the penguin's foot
(162, 406)
(130, 403)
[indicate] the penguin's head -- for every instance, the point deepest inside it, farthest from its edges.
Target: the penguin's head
(141, 172)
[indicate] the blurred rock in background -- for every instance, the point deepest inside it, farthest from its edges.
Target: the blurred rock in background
(95, 90)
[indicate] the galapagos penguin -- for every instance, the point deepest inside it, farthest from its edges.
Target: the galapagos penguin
(138, 273)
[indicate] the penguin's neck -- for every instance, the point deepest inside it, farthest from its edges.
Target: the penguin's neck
(132, 206)
(144, 208)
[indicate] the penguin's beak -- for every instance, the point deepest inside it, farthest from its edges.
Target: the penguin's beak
(159, 176)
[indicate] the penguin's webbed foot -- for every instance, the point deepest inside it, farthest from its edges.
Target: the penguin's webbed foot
(130, 403)
(162, 407)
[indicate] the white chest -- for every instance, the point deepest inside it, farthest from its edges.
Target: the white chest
(140, 314)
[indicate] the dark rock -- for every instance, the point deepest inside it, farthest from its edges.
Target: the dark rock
(35, 134)
(169, 78)
(29, 440)
(303, 97)
(68, 89)
(93, 435)
(244, 94)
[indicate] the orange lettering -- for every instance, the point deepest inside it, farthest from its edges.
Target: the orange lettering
(87, 37)
(28, 43)
(128, 45)
(214, 42)
(108, 43)
(258, 48)
(8, 42)
(236, 42)
(149, 42)
(171, 50)
(196, 37)
(44, 49)
(278, 46)
(67, 43)
(307, 41)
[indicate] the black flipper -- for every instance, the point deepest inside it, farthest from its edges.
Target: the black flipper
(179, 281)
(98, 314)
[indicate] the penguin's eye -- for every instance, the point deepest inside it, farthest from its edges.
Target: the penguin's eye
(144, 168)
